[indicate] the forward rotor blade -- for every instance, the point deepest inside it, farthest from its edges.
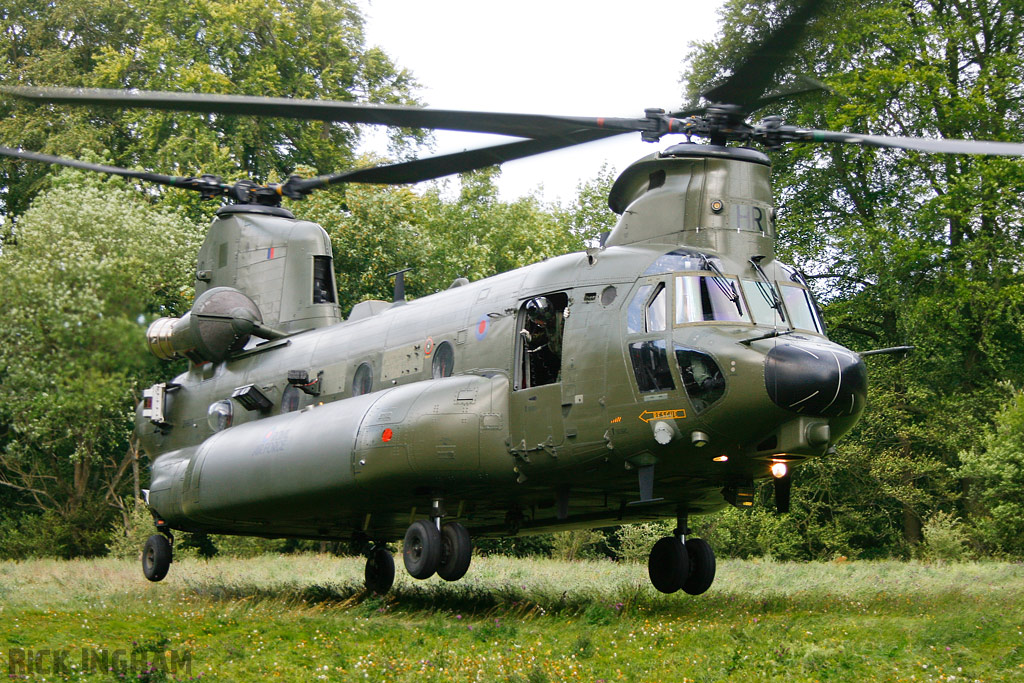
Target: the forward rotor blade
(753, 76)
(518, 125)
(208, 184)
(918, 144)
(434, 167)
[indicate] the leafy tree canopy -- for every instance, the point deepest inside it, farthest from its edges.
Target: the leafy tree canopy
(284, 48)
(94, 263)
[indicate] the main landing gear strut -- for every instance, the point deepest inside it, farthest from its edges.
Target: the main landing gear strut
(679, 563)
(430, 547)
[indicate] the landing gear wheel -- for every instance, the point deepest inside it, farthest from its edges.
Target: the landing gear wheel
(156, 557)
(421, 550)
(702, 566)
(668, 564)
(456, 552)
(380, 570)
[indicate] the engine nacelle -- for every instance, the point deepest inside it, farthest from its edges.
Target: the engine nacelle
(221, 321)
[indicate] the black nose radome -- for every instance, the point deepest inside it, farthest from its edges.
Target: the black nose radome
(827, 381)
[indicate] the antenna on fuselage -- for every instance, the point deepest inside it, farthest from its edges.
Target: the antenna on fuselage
(399, 276)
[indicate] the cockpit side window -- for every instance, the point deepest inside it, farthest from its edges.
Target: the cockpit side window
(656, 310)
(650, 365)
(647, 310)
(636, 314)
(702, 378)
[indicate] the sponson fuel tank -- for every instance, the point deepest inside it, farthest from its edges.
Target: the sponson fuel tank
(297, 465)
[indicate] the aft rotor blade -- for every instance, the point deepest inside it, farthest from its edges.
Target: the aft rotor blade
(801, 86)
(446, 164)
(208, 184)
(758, 71)
(518, 125)
(941, 146)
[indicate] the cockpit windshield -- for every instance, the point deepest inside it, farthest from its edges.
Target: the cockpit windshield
(801, 309)
(702, 292)
(761, 305)
(701, 298)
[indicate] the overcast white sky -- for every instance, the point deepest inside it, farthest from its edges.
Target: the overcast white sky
(548, 57)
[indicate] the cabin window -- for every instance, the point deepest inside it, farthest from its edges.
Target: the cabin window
(219, 415)
(539, 352)
(323, 280)
(650, 365)
(702, 298)
(444, 361)
(362, 381)
(702, 378)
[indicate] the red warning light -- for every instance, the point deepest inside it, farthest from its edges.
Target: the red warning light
(386, 435)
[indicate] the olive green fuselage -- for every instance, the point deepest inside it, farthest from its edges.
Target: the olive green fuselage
(501, 445)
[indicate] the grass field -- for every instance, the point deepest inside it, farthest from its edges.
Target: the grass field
(305, 617)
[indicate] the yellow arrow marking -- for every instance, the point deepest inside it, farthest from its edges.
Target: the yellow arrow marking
(677, 414)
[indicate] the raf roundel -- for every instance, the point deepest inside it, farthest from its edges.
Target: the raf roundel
(482, 326)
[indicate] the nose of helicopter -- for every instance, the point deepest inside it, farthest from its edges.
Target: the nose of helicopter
(819, 380)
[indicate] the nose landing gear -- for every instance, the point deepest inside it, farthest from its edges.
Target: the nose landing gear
(156, 557)
(380, 570)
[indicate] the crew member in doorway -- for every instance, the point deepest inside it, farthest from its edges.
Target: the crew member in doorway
(542, 336)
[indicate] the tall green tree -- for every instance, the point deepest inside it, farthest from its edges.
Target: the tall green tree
(995, 470)
(906, 248)
(93, 264)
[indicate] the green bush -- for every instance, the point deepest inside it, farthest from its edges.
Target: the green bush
(126, 540)
(945, 538)
(49, 534)
(577, 544)
(636, 540)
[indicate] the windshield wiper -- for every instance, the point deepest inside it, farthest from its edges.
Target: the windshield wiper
(766, 335)
(723, 283)
(766, 288)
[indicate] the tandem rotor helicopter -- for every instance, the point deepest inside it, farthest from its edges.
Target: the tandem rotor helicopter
(661, 374)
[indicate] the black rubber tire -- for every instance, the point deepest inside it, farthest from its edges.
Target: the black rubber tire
(668, 564)
(456, 552)
(156, 557)
(702, 566)
(421, 550)
(380, 570)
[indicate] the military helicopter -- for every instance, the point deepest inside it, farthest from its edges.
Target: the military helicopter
(660, 374)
